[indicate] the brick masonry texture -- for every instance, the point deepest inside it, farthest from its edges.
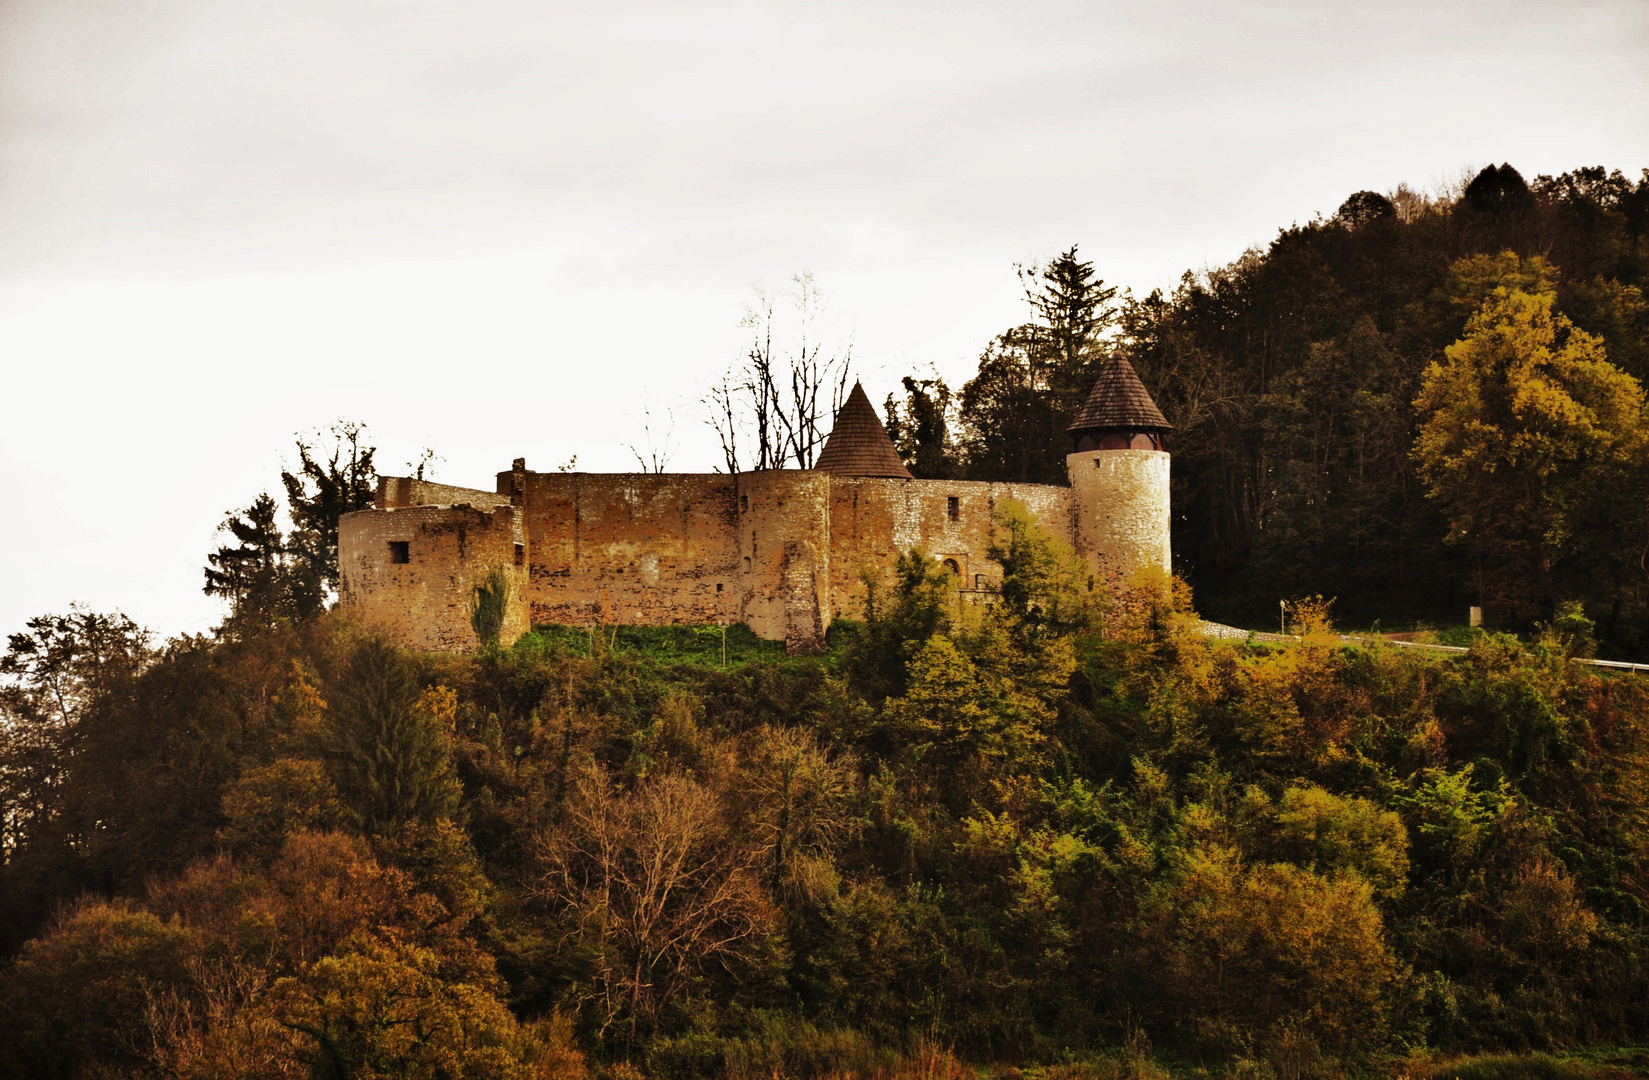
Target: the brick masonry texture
(783, 551)
(1121, 503)
(425, 602)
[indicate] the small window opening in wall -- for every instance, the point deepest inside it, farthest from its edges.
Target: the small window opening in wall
(747, 564)
(744, 503)
(400, 551)
(951, 567)
(953, 508)
(979, 582)
(718, 586)
(521, 554)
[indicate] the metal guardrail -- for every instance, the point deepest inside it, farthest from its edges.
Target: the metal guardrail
(1621, 665)
(1219, 630)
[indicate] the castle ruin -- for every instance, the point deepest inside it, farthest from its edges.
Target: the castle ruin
(784, 551)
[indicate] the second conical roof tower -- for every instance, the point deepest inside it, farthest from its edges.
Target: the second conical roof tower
(858, 444)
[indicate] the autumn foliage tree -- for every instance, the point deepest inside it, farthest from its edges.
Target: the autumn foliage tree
(1530, 439)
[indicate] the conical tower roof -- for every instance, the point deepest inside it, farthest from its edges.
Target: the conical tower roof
(858, 443)
(1119, 400)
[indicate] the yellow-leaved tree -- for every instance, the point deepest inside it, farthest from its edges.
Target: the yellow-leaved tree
(1530, 441)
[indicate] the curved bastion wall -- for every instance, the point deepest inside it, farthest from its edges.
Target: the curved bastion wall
(784, 551)
(1122, 518)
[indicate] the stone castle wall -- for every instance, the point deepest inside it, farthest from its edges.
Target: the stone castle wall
(873, 521)
(425, 602)
(784, 552)
(395, 492)
(631, 549)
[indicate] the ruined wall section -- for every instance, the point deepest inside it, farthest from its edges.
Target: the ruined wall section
(873, 521)
(629, 548)
(679, 548)
(396, 492)
(1122, 503)
(425, 602)
(785, 556)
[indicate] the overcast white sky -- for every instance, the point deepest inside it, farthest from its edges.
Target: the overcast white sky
(500, 228)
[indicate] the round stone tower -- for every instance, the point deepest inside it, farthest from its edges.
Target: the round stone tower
(1119, 477)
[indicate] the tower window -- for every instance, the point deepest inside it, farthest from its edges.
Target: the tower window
(521, 554)
(951, 567)
(744, 503)
(400, 551)
(953, 508)
(718, 586)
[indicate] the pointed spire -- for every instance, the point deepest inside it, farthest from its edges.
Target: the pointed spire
(1119, 401)
(859, 444)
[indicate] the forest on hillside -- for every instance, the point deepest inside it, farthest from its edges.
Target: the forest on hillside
(1416, 405)
(1064, 837)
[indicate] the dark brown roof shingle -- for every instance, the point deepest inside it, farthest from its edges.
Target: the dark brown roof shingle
(859, 444)
(1119, 400)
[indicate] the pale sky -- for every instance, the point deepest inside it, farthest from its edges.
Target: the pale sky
(503, 229)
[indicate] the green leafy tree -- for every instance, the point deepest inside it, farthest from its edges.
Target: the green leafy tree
(387, 1010)
(1044, 583)
(1033, 378)
(76, 996)
(1241, 954)
(921, 428)
(60, 680)
(1528, 432)
(330, 481)
(270, 802)
(1333, 835)
(60, 665)
(899, 620)
(390, 750)
(489, 607)
(258, 574)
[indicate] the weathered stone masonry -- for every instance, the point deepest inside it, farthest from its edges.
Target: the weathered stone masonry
(783, 551)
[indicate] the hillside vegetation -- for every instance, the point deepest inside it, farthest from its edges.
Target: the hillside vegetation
(1045, 833)
(1063, 837)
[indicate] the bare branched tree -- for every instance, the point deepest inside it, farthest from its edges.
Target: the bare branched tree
(783, 398)
(656, 456)
(723, 403)
(427, 460)
(654, 887)
(214, 1027)
(793, 797)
